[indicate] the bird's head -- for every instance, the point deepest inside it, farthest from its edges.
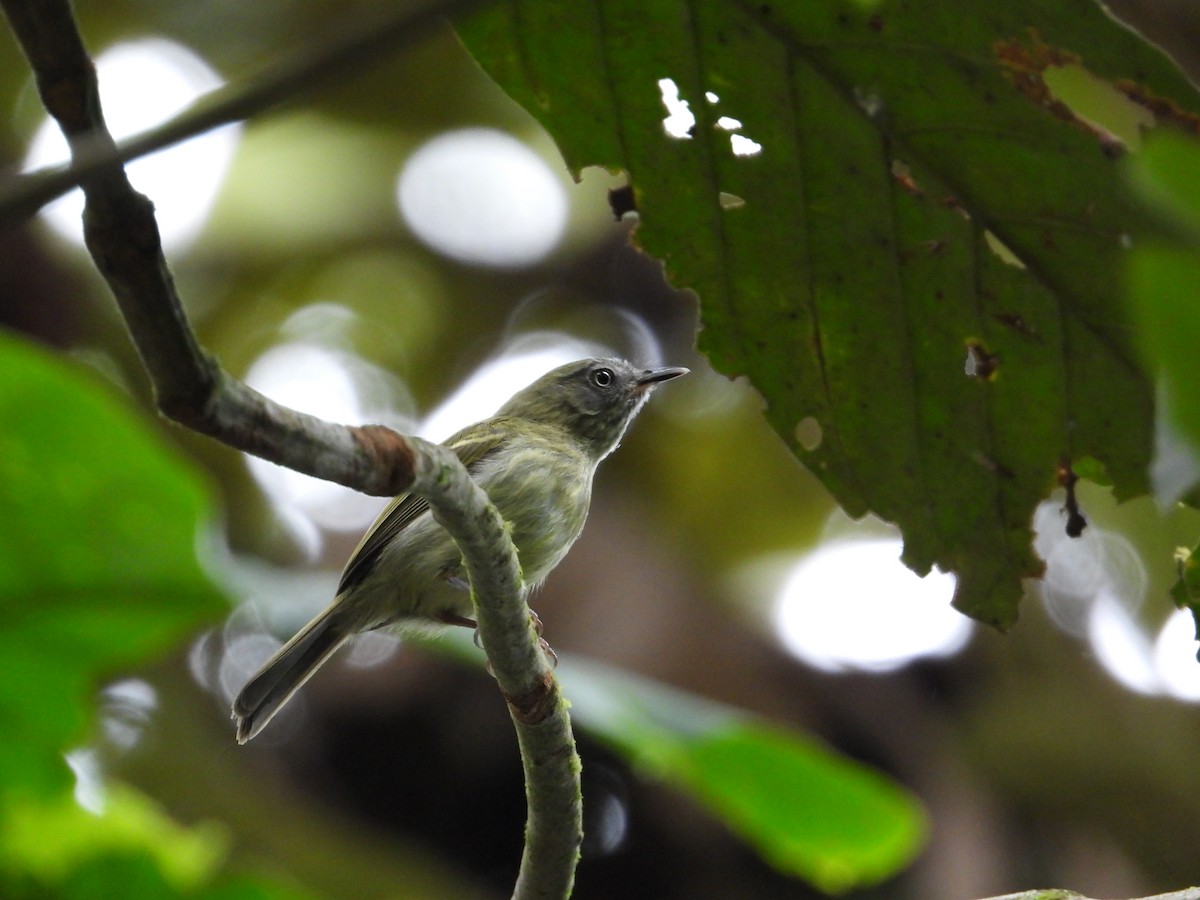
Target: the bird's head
(592, 399)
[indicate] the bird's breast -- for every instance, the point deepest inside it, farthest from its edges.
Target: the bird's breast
(543, 492)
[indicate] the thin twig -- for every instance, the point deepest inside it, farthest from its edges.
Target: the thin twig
(190, 387)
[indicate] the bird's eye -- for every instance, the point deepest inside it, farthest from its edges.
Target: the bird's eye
(602, 377)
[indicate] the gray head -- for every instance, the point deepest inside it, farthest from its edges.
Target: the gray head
(594, 399)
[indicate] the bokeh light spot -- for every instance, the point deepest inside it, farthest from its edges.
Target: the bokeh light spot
(853, 604)
(482, 197)
(84, 764)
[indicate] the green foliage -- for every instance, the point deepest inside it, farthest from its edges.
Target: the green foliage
(52, 838)
(921, 196)
(98, 574)
(807, 811)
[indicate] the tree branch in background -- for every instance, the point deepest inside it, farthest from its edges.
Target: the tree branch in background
(1057, 894)
(191, 388)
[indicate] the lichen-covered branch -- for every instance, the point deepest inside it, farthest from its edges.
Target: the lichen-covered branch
(191, 388)
(361, 44)
(1191, 893)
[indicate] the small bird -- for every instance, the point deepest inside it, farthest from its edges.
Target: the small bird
(535, 460)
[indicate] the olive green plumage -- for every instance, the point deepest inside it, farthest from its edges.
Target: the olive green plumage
(535, 459)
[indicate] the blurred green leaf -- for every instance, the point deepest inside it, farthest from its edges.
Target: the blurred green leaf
(134, 875)
(852, 265)
(1164, 274)
(807, 811)
(98, 569)
(51, 838)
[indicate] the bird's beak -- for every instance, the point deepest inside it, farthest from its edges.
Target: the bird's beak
(651, 377)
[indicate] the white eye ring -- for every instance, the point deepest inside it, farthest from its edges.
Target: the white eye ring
(602, 377)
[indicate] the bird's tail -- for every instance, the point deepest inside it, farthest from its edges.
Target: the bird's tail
(283, 674)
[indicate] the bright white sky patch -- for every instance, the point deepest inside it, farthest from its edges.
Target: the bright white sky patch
(1175, 656)
(89, 779)
(852, 604)
(1095, 587)
(142, 84)
(1121, 646)
(679, 121)
(482, 197)
(1080, 570)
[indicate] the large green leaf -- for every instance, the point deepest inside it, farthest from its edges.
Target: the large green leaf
(858, 272)
(98, 566)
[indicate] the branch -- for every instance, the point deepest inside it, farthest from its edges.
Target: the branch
(554, 830)
(1057, 894)
(191, 388)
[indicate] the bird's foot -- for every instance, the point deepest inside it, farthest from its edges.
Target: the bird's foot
(446, 617)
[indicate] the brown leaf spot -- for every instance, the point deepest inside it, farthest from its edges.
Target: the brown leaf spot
(1015, 322)
(1023, 65)
(903, 176)
(1163, 108)
(994, 466)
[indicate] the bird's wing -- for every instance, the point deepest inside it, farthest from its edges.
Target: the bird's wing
(471, 446)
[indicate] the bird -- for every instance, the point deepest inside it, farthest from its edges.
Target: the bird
(535, 459)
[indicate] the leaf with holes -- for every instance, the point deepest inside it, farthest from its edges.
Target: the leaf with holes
(897, 229)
